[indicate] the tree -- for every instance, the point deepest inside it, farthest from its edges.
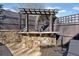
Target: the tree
(1, 6)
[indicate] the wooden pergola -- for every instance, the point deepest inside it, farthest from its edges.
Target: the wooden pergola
(51, 12)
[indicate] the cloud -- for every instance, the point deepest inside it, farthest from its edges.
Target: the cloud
(32, 5)
(76, 8)
(62, 11)
(10, 9)
(52, 7)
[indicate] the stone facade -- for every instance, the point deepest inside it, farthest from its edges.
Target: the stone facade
(10, 20)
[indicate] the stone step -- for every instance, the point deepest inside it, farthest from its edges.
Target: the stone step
(21, 51)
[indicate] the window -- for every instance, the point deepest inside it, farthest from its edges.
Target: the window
(70, 21)
(76, 20)
(77, 15)
(72, 16)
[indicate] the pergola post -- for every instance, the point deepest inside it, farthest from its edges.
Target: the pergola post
(50, 24)
(20, 20)
(26, 20)
(55, 25)
(36, 23)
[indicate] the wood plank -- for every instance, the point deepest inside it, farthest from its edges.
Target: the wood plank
(38, 32)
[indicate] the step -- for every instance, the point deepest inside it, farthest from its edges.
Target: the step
(22, 51)
(31, 52)
(17, 50)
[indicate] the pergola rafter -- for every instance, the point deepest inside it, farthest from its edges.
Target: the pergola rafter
(38, 11)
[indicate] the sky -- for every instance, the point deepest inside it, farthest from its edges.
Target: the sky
(65, 9)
